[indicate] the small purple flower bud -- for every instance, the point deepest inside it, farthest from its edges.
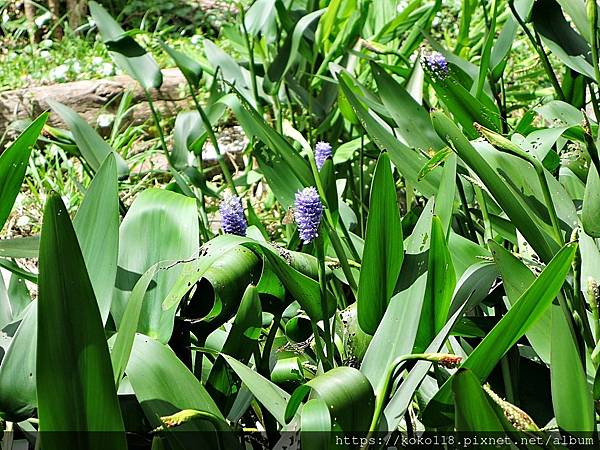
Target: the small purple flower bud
(308, 212)
(322, 152)
(437, 64)
(233, 220)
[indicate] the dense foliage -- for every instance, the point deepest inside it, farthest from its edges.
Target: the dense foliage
(411, 243)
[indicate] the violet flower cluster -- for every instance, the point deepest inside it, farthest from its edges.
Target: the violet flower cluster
(322, 152)
(233, 220)
(308, 213)
(437, 64)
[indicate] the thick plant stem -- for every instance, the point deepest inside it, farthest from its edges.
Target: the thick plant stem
(442, 358)
(213, 139)
(324, 309)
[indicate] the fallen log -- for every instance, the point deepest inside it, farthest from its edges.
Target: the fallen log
(91, 98)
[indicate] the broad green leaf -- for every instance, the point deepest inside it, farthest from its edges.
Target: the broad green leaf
(517, 278)
(13, 165)
(159, 226)
(315, 425)
(590, 214)
(191, 69)
(75, 387)
(402, 398)
(571, 395)
(441, 281)
(24, 247)
(564, 42)
(407, 161)
(141, 67)
(396, 334)
(302, 288)
(299, 31)
(98, 216)
(348, 395)
(501, 192)
(444, 200)
(414, 124)
(465, 108)
(163, 386)
(272, 397)
(18, 399)
(93, 148)
(242, 339)
(515, 323)
(261, 18)
(383, 252)
(472, 408)
(123, 343)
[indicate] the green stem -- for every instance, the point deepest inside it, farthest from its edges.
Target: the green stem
(250, 50)
(487, 234)
(331, 229)
(324, 308)
(156, 116)
(384, 389)
(213, 139)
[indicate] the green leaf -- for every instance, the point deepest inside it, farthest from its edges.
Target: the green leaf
(25, 247)
(18, 399)
(473, 411)
(13, 165)
(299, 31)
(517, 278)
(242, 339)
(441, 280)
(407, 161)
(142, 66)
(515, 323)
(562, 40)
(414, 124)
(272, 397)
(159, 226)
(571, 395)
(93, 148)
(444, 200)
(315, 425)
(504, 196)
(191, 69)
(123, 343)
(75, 387)
(348, 395)
(302, 288)
(163, 386)
(590, 212)
(97, 216)
(403, 397)
(383, 252)
(396, 333)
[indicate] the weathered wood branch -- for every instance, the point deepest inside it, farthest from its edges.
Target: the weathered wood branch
(91, 98)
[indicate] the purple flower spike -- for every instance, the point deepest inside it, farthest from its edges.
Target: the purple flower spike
(322, 152)
(309, 210)
(437, 64)
(233, 220)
